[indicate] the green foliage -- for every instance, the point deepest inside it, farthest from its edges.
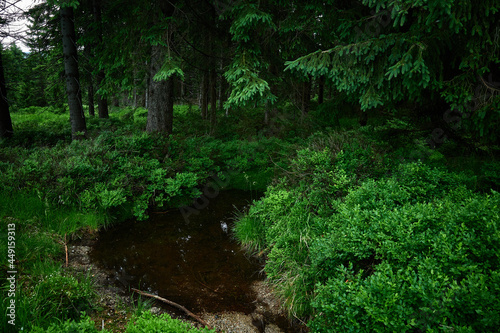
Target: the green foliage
(243, 74)
(123, 172)
(59, 296)
(101, 197)
(45, 294)
(359, 244)
(491, 175)
(148, 322)
(84, 325)
(247, 86)
(31, 78)
(385, 51)
(169, 68)
(418, 266)
(327, 114)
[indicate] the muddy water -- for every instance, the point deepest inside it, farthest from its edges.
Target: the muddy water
(194, 262)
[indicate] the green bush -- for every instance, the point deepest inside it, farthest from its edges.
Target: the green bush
(121, 173)
(491, 175)
(358, 245)
(60, 296)
(85, 325)
(417, 267)
(147, 323)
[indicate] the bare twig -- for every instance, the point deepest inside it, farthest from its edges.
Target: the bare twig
(66, 249)
(175, 305)
(487, 85)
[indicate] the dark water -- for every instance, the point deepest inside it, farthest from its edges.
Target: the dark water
(195, 263)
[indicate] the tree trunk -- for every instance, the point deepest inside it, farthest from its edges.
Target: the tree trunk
(134, 103)
(321, 89)
(77, 117)
(306, 97)
(363, 115)
(90, 87)
(271, 109)
(91, 100)
(161, 96)
(6, 130)
(213, 99)
(223, 87)
(204, 95)
(102, 102)
(146, 94)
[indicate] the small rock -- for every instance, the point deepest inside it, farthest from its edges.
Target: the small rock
(154, 310)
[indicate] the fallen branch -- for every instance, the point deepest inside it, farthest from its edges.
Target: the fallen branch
(65, 244)
(175, 305)
(488, 85)
(66, 249)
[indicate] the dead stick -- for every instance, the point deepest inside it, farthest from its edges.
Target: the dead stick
(175, 305)
(66, 249)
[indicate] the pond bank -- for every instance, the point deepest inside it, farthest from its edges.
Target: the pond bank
(267, 317)
(196, 263)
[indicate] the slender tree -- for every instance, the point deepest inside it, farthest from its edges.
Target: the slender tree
(161, 86)
(161, 99)
(8, 12)
(102, 101)
(77, 117)
(6, 129)
(321, 89)
(213, 99)
(204, 94)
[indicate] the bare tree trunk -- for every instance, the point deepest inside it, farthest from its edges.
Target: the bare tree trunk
(146, 95)
(204, 95)
(6, 129)
(102, 102)
(223, 85)
(306, 97)
(161, 96)
(213, 99)
(77, 117)
(134, 103)
(91, 98)
(363, 117)
(321, 89)
(271, 109)
(90, 82)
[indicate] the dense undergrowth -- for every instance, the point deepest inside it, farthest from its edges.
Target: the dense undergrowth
(361, 239)
(53, 189)
(362, 228)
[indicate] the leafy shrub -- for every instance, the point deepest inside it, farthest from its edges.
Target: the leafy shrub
(418, 267)
(60, 296)
(103, 198)
(147, 322)
(491, 175)
(327, 114)
(84, 325)
(400, 251)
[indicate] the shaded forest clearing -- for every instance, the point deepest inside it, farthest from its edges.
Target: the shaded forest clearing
(366, 133)
(354, 174)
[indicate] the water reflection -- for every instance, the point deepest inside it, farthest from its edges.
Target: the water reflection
(196, 264)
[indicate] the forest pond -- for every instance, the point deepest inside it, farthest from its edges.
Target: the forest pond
(195, 262)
